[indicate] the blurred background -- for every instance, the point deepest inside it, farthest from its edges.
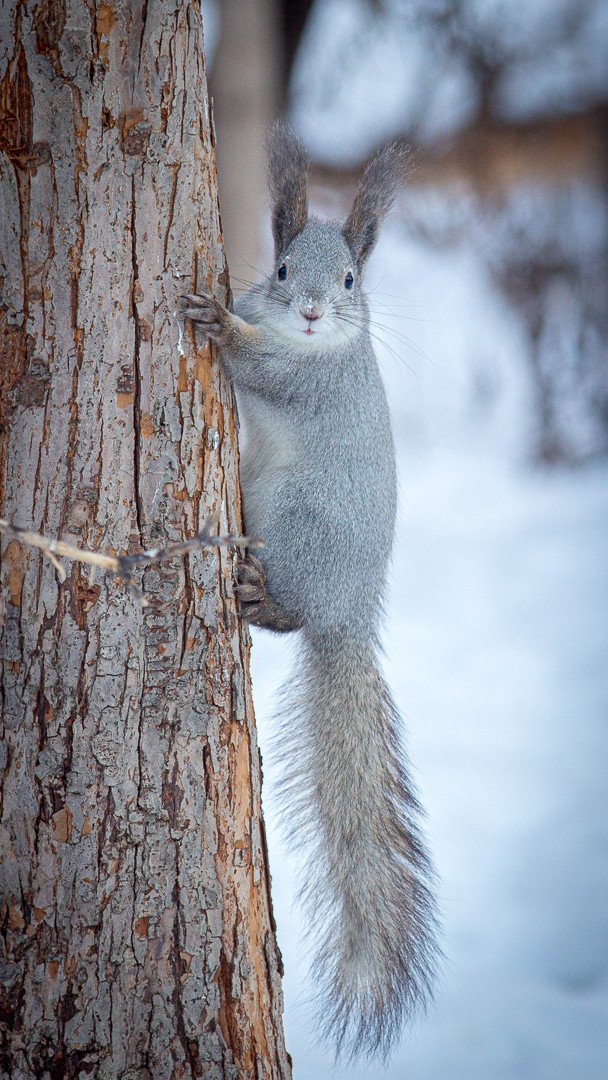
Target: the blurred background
(489, 293)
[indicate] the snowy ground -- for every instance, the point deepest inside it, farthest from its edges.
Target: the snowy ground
(496, 647)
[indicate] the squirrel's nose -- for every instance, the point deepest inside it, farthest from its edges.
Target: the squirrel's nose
(310, 313)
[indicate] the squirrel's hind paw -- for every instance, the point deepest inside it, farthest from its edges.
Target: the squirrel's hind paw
(251, 582)
(255, 605)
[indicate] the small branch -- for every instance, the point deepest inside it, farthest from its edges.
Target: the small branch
(123, 566)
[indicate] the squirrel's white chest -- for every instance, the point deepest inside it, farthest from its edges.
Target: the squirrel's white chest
(269, 452)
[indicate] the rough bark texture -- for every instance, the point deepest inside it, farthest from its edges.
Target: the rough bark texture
(136, 930)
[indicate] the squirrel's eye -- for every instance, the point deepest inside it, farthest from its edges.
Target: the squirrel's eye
(348, 281)
(282, 274)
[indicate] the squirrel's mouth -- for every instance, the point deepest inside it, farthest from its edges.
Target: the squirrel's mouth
(309, 330)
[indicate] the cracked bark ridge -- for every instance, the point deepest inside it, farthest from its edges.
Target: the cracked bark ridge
(137, 938)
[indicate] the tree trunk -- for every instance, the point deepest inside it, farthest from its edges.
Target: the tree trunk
(137, 933)
(245, 81)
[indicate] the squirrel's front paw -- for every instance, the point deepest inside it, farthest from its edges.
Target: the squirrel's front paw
(250, 586)
(206, 310)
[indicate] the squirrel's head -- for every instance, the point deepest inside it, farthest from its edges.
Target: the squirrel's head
(315, 288)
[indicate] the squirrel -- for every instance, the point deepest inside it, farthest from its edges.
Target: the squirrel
(319, 488)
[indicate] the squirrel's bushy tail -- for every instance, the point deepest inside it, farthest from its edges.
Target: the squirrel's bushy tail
(347, 795)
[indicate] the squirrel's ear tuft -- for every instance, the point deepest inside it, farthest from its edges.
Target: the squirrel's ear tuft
(381, 179)
(288, 175)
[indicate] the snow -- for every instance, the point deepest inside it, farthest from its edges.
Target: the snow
(496, 642)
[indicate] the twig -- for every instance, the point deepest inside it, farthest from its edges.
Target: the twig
(123, 566)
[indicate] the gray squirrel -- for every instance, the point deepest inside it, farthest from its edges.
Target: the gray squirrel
(319, 488)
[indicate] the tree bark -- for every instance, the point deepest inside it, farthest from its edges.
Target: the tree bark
(137, 933)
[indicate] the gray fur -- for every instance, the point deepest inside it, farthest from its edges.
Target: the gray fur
(287, 174)
(319, 487)
(381, 180)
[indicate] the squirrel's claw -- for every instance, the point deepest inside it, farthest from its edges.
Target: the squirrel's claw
(204, 309)
(251, 585)
(250, 570)
(250, 594)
